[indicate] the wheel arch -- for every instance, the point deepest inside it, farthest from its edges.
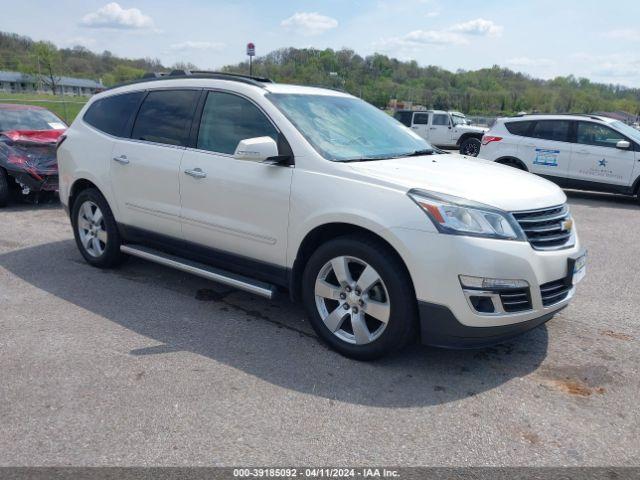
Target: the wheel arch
(508, 159)
(636, 186)
(468, 135)
(78, 186)
(324, 233)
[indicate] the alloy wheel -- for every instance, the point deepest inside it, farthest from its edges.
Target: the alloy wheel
(91, 229)
(352, 300)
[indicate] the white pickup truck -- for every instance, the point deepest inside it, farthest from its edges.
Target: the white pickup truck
(444, 129)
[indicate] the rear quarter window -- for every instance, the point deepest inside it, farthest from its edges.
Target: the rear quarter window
(112, 114)
(518, 128)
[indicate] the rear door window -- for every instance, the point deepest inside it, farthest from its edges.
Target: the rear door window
(554, 130)
(598, 135)
(165, 117)
(518, 128)
(112, 114)
(227, 119)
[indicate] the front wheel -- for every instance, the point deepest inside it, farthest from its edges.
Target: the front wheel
(95, 230)
(359, 298)
(470, 147)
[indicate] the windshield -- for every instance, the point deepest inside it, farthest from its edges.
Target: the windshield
(460, 120)
(347, 128)
(627, 130)
(29, 120)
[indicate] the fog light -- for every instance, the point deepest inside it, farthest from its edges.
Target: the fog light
(482, 283)
(482, 304)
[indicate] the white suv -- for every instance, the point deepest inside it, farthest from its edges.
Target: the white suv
(266, 187)
(575, 151)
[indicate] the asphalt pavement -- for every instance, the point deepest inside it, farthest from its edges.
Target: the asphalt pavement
(145, 365)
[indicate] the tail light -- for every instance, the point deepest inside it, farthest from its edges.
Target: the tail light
(487, 139)
(61, 139)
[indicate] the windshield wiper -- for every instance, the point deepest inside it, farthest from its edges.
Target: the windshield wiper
(416, 153)
(419, 153)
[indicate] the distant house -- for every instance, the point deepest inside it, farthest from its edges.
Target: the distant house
(621, 116)
(16, 82)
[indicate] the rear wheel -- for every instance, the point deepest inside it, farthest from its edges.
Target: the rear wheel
(4, 188)
(359, 298)
(95, 230)
(470, 147)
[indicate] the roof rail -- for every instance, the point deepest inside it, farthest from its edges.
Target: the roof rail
(182, 74)
(586, 115)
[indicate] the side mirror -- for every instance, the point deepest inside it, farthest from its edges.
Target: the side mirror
(623, 145)
(258, 149)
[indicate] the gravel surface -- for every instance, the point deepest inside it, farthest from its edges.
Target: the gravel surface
(145, 365)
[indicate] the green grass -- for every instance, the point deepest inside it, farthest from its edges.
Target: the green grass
(66, 107)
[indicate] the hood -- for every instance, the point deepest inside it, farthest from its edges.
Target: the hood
(471, 178)
(472, 128)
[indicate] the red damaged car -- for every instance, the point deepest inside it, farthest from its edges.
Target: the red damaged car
(28, 136)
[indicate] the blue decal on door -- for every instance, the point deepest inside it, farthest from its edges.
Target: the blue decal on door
(546, 157)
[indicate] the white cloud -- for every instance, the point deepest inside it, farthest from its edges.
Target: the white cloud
(309, 23)
(455, 35)
(529, 62)
(112, 15)
(479, 27)
(193, 45)
(627, 34)
(612, 68)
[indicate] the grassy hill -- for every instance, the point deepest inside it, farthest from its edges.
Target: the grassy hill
(376, 78)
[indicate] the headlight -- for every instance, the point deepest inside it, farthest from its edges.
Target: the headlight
(458, 216)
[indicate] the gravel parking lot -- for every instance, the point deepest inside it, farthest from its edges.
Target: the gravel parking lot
(149, 366)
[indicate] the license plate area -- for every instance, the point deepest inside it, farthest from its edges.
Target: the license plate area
(578, 268)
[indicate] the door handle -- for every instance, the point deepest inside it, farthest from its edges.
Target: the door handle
(196, 173)
(122, 159)
(432, 128)
(415, 128)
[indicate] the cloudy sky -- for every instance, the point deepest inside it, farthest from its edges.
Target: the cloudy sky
(588, 38)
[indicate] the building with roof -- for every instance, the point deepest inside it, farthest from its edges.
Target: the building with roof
(625, 117)
(16, 82)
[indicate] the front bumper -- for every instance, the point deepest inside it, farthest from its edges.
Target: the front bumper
(440, 328)
(435, 262)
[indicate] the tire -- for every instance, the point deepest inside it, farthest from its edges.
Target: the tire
(4, 188)
(512, 163)
(356, 331)
(95, 230)
(470, 147)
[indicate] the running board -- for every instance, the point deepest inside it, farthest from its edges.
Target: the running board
(210, 273)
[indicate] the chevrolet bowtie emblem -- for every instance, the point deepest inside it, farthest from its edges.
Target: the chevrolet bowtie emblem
(567, 225)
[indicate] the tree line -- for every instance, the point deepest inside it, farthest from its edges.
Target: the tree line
(375, 78)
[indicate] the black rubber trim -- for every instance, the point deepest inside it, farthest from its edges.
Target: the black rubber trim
(230, 262)
(440, 328)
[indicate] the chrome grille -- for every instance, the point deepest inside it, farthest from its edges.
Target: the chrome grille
(546, 228)
(554, 292)
(516, 300)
